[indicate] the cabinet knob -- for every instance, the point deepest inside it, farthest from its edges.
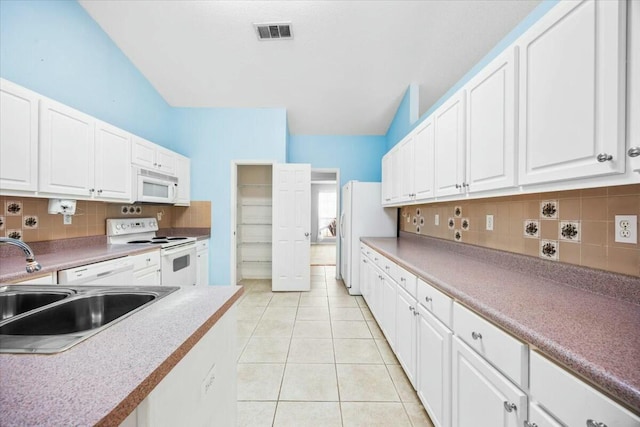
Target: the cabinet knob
(364, 260)
(476, 335)
(604, 157)
(429, 299)
(99, 191)
(91, 190)
(458, 186)
(411, 308)
(591, 423)
(633, 152)
(402, 279)
(155, 164)
(159, 165)
(386, 267)
(306, 234)
(510, 406)
(464, 184)
(528, 424)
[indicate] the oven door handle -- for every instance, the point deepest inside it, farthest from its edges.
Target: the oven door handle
(180, 249)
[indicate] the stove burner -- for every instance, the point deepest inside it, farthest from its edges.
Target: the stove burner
(160, 238)
(139, 241)
(159, 241)
(176, 238)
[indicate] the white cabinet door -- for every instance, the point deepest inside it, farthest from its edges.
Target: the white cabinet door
(396, 175)
(147, 277)
(166, 161)
(66, 150)
(202, 273)
(388, 309)
(386, 179)
(572, 92)
(405, 345)
(491, 116)
(112, 163)
(538, 417)
(18, 138)
(291, 227)
(364, 278)
(449, 145)
(143, 153)
(407, 162)
(183, 172)
(423, 161)
(434, 368)
(633, 86)
(481, 396)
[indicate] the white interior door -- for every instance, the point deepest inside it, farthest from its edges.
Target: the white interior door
(291, 269)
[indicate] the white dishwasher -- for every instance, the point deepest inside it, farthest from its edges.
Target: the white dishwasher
(116, 272)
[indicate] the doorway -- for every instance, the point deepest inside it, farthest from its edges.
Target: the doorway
(325, 201)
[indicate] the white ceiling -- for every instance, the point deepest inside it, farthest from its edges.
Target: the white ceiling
(344, 72)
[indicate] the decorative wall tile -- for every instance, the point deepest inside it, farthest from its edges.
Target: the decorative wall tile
(421, 221)
(569, 230)
(457, 236)
(549, 209)
(14, 234)
(414, 220)
(451, 223)
(2, 222)
(457, 211)
(418, 229)
(532, 228)
(13, 207)
(30, 221)
(465, 224)
(418, 212)
(549, 249)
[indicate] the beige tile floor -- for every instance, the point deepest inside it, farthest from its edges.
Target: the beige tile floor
(317, 358)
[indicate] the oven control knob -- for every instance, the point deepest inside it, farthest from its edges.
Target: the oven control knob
(117, 226)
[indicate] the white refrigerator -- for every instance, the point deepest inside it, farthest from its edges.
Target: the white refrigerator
(362, 216)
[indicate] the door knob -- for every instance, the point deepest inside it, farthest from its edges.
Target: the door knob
(633, 152)
(306, 234)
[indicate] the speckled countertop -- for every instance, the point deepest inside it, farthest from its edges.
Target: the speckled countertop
(103, 379)
(70, 253)
(554, 307)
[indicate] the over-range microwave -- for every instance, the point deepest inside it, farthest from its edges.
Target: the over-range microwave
(154, 187)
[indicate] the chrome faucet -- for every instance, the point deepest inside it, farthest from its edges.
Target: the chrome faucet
(32, 264)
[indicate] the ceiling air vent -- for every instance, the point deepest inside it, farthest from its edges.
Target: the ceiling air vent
(274, 31)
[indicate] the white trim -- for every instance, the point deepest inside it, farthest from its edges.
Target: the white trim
(338, 204)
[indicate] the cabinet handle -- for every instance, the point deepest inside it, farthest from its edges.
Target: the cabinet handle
(402, 279)
(429, 299)
(155, 164)
(528, 424)
(604, 157)
(386, 267)
(458, 186)
(375, 259)
(364, 260)
(476, 335)
(633, 152)
(510, 407)
(591, 423)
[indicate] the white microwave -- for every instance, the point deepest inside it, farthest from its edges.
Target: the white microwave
(154, 187)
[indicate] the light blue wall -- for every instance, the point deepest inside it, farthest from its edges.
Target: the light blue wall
(406, 116)
(357, 157)
(212, 138)
(399, 129)
(55, 48)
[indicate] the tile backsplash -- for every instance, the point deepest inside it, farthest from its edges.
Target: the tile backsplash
(28, 218)
(575, 227)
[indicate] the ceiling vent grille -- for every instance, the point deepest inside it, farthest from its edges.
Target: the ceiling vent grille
(274, 31)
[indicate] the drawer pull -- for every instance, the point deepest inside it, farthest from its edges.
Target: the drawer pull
(411, 308)
(528, 424)
(375, 259)
(386, 267)
(429, 299)
(510, 407)
(476, 335)
(591, 423)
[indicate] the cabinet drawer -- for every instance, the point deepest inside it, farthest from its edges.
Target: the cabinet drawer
(405, 279)
(145, 260)
(202, 245)
(505, 352)
(389, 267)
(436, 302)
(571, 400)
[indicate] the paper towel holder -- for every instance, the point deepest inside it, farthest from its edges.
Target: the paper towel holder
(62, 206)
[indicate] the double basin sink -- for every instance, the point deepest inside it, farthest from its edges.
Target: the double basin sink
(50, 319)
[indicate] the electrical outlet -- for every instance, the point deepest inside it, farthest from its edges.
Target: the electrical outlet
(436, 219)
(489, 225)
(626, 229)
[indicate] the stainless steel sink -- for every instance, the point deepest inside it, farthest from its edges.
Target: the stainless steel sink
(14, 302)
(71, 317)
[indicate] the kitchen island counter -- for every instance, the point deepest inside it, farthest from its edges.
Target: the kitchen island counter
(584, 319)
(103, 379)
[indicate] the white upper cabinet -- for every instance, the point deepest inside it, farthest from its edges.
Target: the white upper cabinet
(572, 92)
(66, 150)
(112, 163)
(491, 126)
(386, 179)
(396, 174)
(407, 156)
(423, 161)
(18, 138)
(183, 172)
(152, 156)
(449, 145)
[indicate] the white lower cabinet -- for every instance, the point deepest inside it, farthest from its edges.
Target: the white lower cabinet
(388, 305)
(481, 396)
(49, 279)
(538, 417)
(434, 367)
(406, 322)
(201, 389)
(146, 269)
(572, 401)
(202, 272)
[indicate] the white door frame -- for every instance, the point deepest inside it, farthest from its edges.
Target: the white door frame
(234, 210)
(338, 204)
